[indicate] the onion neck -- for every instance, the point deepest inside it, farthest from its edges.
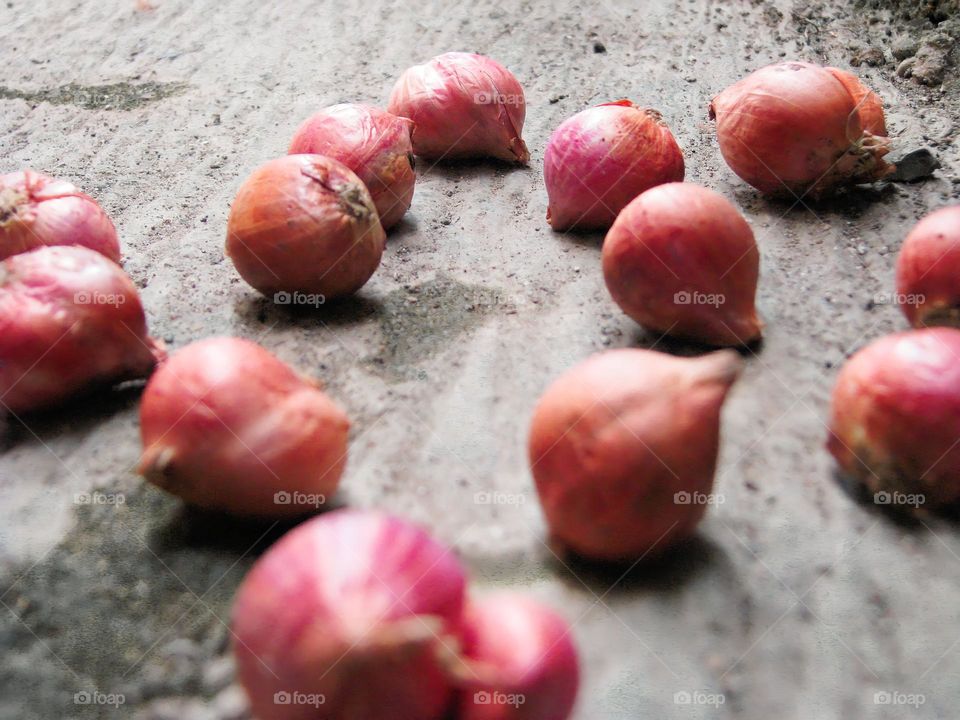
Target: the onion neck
(11, 203)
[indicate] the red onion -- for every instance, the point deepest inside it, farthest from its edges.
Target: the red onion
(681, 260)
(796, 128)
(600, 159)
(350, 615)
(36, 210)
(623, 449)
(928, 270)
(70, 320)
(371, 142)
(896, 417)
(304, 224)
(524, 663)
(462, 106)
(273, 443)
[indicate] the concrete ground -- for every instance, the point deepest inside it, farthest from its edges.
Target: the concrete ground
(799, 599)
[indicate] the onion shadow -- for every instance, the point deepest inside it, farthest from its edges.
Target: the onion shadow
(77, 415)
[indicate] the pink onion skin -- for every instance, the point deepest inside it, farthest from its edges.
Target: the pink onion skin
(266, 430)
(896, 415)
(305, 223)
(37, 210)
(602, 158)
(869, 105)
(680, 259)
(520, 649)
(928, 270)
(374, 144)
(70, 320)
(616, 437)
(793, 129)
(462, 106)
(350, 605)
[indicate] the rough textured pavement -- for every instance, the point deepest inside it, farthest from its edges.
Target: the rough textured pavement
(799, 599)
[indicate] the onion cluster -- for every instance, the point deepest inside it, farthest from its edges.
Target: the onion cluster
(363, 615)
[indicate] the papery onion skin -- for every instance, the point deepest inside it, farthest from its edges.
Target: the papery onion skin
(70, 321)
(374, 144)
(305, 223)
(868, 103)
(928, 270)
(273, 444)
(794, 128)
(616, 438)
(601, 158)
(463, 106)
(525, 664)
(681, 260)
(37, 210)
(896, 415)
(357, 607)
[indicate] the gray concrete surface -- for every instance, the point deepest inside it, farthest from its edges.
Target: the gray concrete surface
(798, 599)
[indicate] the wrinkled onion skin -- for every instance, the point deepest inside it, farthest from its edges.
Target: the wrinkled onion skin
(462, 106)
(305, 223)
(371, 142)
(928, 270)
(600, 159)
(265, 430)
(793, 129)
(324, 610)
(616, 437)
(682, 238)
(868, 103)
(896, 415)
(37, 210)
(56, 342)
(520, 648)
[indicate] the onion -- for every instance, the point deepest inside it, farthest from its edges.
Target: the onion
(462, 106)
(304, 224)
(273, 443)
(896, 417)
(681, 260)
(928, 270)
(524, 663)
(36, 210)
(623, 449)
(796, 128)
(371, 142)
(350, 615)
(70, 320)
(600, 159)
